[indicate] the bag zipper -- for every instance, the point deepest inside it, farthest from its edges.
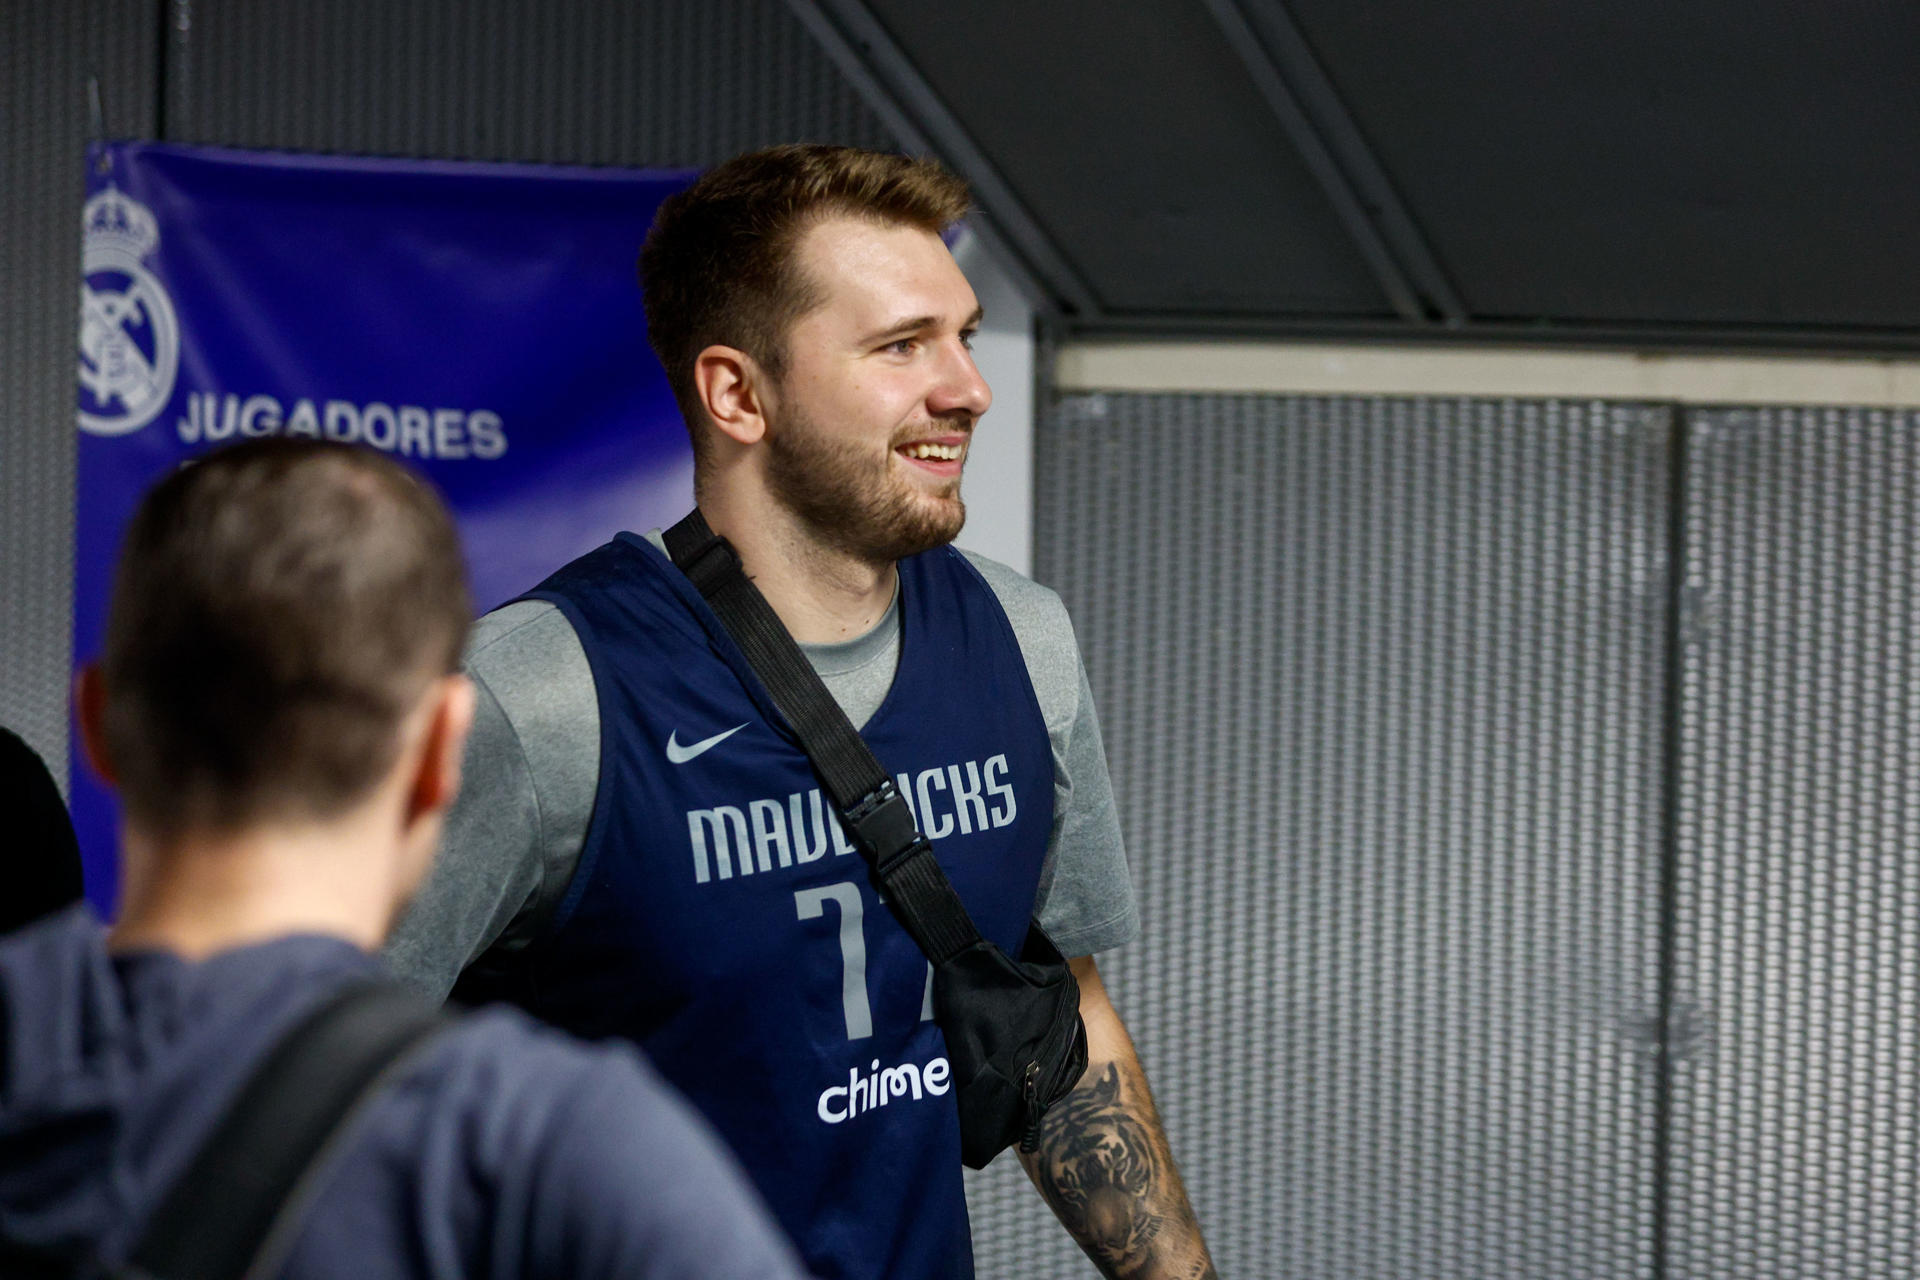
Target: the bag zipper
(1030, 1105)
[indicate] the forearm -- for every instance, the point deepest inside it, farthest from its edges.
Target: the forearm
(1104, 1165)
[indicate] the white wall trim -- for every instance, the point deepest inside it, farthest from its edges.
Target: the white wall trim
(999, 482)
(1287, 368)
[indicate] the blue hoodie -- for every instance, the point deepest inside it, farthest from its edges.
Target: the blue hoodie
(506, 1150)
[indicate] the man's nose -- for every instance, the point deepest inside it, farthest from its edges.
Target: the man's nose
(961, 387)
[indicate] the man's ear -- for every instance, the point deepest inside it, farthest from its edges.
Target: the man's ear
(731, 386)
(436, 779)
(90, 711)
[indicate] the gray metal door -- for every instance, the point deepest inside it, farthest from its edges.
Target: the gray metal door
(1796, 1137)
(1382, 684)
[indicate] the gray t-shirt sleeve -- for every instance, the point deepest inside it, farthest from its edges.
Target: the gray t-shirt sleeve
(1086, 899)
(526, 798)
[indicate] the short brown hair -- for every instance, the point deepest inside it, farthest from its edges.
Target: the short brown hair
(718, 264)
(279, 607)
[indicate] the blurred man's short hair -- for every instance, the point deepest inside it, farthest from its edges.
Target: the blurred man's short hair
(279, 607)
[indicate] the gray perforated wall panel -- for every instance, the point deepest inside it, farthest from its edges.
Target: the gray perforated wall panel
(1382, 685)
(1797, 1107)
(47, 52)
(670, 82)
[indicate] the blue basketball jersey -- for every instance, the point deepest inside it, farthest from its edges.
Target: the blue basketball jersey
(721, 918)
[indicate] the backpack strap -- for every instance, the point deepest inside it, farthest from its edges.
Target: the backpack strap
(235, 1210)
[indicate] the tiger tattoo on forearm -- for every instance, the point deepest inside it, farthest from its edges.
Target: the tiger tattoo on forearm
(1101, 1170)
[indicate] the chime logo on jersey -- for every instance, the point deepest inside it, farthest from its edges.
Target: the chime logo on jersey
(861, 1094)
(946, 801)
(129, 334)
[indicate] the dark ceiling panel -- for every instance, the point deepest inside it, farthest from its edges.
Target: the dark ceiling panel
(1717, 163)
(670, 82)
(1136, 140)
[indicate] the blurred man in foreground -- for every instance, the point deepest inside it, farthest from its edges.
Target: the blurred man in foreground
(280, 710)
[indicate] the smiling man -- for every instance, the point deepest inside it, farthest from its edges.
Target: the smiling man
(643, 849)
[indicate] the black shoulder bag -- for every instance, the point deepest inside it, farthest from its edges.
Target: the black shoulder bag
(1013, 1027)
(234, 1213)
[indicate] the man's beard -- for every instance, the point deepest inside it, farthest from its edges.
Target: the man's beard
(854, 506)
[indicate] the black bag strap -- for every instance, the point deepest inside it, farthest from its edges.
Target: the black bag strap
(232, 1213)
(869, 802)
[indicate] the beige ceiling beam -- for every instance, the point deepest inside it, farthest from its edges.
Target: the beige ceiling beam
(1292, 368)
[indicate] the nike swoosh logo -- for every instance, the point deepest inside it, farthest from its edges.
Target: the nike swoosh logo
(680, 755)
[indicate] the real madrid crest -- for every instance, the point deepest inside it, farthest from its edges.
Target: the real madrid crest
(129, 335)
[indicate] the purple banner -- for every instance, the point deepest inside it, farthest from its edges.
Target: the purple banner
(481, 322)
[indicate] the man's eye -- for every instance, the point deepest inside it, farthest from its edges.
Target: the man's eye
(966, 339)
(902, 346)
